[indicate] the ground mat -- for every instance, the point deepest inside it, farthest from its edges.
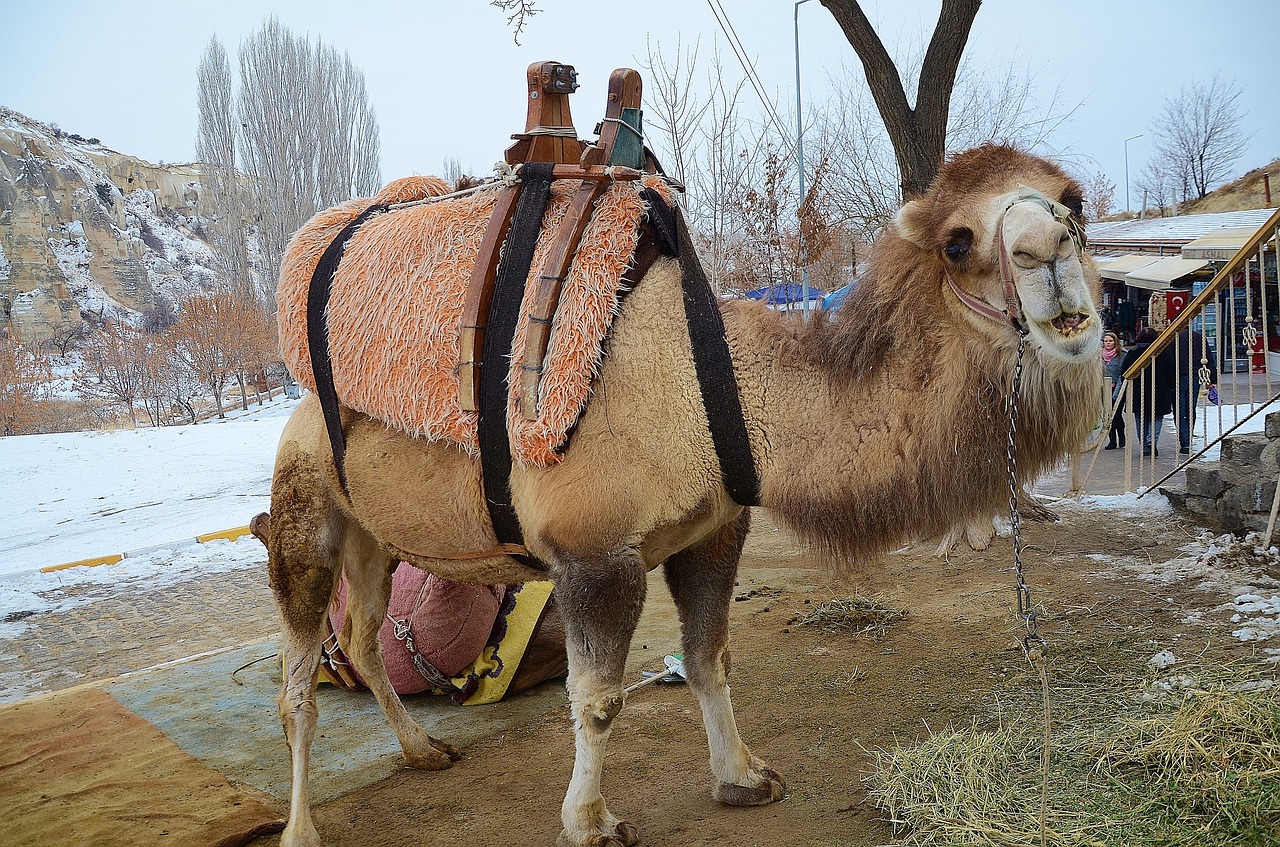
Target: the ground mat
(81, 769)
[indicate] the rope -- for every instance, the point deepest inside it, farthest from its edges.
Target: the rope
(506, 175)
(637, 133)
(556, 131)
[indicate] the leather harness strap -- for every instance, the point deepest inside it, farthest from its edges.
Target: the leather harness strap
(318, 337)
(504, 315)
(714, 366)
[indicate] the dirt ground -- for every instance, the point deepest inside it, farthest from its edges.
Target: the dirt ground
(813, 704)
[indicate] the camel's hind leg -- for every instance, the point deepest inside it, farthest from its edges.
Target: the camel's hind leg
(368, 570)
(701, 582)
(301, 538)
(601, 599)
(309, 541)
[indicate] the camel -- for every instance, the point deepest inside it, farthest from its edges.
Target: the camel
(884, 422)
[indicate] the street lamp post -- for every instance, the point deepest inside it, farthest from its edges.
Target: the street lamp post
(804, 268)
(1126, 170)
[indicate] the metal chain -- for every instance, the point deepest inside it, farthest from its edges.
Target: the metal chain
(1032, 644)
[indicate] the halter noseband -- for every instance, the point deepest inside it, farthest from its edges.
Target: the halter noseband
(1011, 315)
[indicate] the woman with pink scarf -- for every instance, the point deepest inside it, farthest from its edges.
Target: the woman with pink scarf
(1111, 362)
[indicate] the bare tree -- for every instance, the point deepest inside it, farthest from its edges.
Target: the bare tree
(174, 383)
(308, 136)
(1157, 184)
(115, 366)
(62, 337)
(1099, 196)
(772, 249)
(207, 340)
(1003, 104)
(24, 387)
(518, 14)
(1198, 133)
(452, 171)
(918, 133)
(863, 185)
(703, 141)
(225, 200)
(675, 110)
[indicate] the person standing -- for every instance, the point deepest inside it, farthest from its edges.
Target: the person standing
(1159, 378)
(1112, 358)
(1193, 356)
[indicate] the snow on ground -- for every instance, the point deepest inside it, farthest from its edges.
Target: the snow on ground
(72, 496)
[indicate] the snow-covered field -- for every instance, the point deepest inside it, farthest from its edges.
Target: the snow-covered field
(74, 496)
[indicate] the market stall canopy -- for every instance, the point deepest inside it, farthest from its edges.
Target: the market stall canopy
(1116, 269)
(1159, 275)
(1220, 244)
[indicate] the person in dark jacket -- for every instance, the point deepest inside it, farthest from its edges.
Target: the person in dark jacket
(1153, 390)
(1196, 363)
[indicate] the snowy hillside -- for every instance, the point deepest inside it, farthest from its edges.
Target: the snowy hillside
(87, 231)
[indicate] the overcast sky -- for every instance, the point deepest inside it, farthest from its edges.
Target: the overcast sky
(447, 79)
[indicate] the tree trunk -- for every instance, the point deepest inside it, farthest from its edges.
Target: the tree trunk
(919, 134)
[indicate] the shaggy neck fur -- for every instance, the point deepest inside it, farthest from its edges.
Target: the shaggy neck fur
(886, 422)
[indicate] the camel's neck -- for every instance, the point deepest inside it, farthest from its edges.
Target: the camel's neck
(860, 452)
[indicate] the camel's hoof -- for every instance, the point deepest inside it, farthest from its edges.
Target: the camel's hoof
(436, 756)
(300, 835)
(624, 835)
(979, 539)
(772, 788)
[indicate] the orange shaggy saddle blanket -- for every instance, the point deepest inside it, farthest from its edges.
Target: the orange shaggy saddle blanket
(395, 308)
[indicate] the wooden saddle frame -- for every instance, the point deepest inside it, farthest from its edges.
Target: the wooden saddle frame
(550, 138)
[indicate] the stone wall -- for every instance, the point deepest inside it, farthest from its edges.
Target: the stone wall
(1235, 493)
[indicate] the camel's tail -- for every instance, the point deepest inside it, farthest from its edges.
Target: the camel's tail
(260, 526)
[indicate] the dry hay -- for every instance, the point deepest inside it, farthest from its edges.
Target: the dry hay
(857, 615)
(1174, 765)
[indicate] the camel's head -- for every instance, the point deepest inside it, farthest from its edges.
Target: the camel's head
(1007, 232)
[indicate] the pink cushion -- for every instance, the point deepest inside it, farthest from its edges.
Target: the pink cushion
(449, 622)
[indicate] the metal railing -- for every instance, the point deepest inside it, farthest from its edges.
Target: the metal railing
(1220, 340)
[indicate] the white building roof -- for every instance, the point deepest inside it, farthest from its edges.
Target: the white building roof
(1174, 231)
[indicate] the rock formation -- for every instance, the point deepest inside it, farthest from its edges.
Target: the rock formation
(88, 232)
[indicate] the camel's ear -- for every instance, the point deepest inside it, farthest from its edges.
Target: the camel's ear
(911, 224)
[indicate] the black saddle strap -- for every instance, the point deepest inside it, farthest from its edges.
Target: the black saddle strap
(318, 337)
(714, 367)
(504, 315)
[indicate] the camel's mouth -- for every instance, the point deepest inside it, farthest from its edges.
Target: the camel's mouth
(1071, 325)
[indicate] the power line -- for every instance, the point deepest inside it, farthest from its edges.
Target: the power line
(739, 51)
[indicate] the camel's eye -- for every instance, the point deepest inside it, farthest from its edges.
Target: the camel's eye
(1073, 201)
(958, 244)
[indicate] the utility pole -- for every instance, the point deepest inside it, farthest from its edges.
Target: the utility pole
(1126, 170)
(804, 265)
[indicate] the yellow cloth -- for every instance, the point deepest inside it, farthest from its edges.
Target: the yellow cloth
(531, 598)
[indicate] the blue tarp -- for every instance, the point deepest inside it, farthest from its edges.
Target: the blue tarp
(836, 298)
(783, 293)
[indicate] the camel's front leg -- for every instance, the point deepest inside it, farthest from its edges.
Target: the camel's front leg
(600, 599)
(701, 582)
